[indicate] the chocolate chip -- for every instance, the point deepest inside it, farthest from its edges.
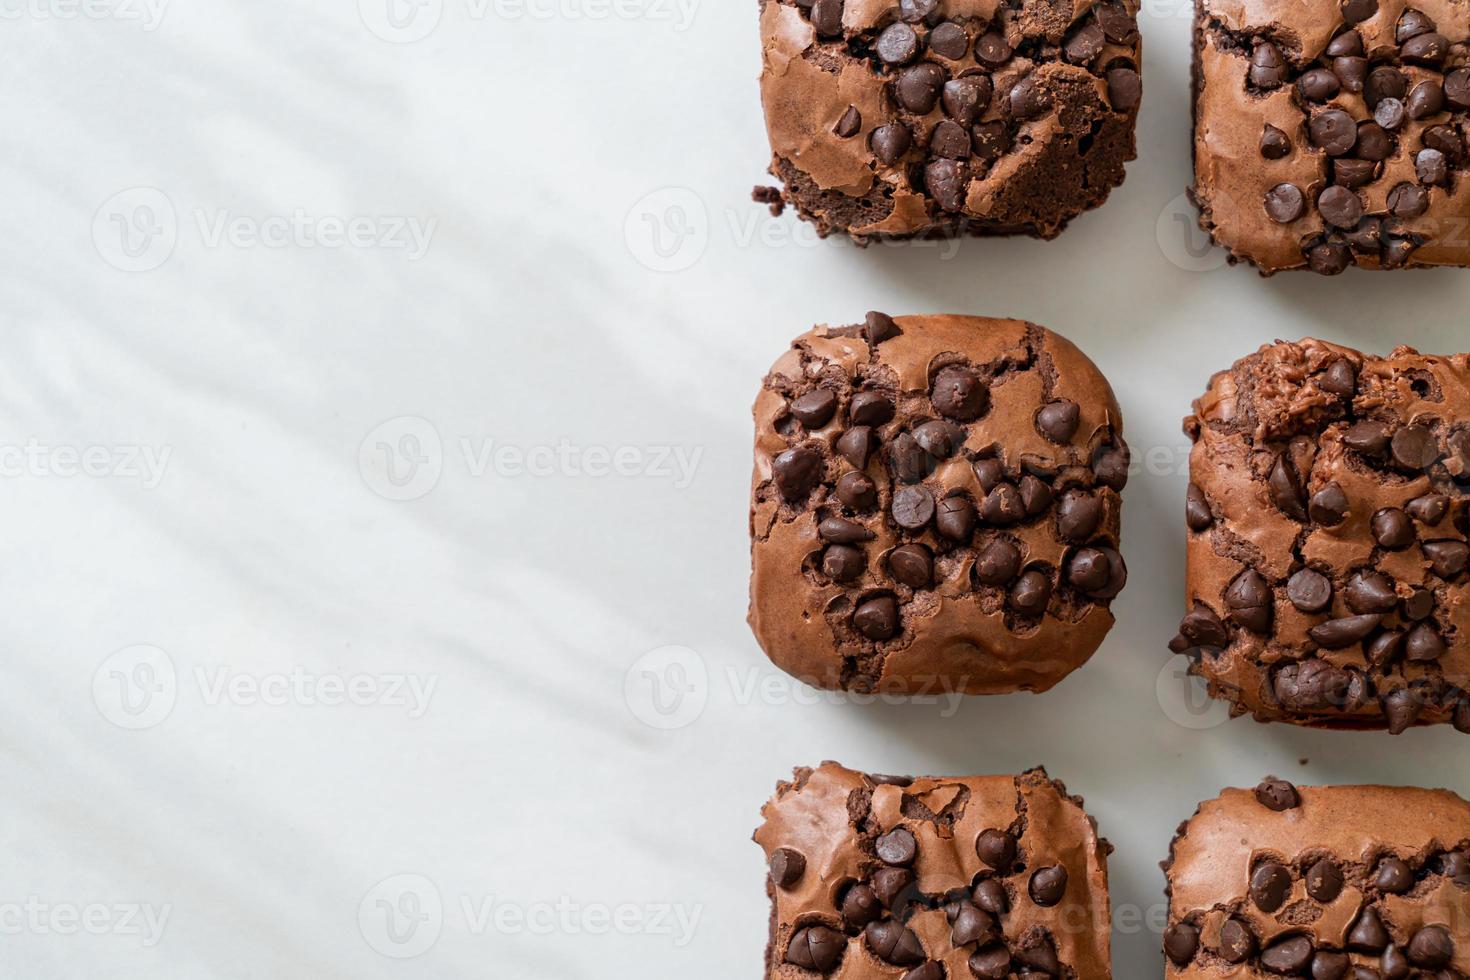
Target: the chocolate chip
(860, 906)
(1312, 685)
(1346, 44)
(1448, 559)
(1318, 85)
(1408, 200)
(990, 473)
(1270, 887)
(1393, 876)
(1391, 114)
(797, 471)
(1040, 959)
(992, 50)
(946, 182)
(1457, 88)
(1309, 591)
(949, 40)
(1368, 934)
(843, 562)
(1340, 206)
(997, 848)
(917, 11)
(1392, 529)
(1288, 956)
(815, 408)
(1369, 438)
(1202, 628)
(1237, 942)
(1324, 881)
(1250, 601)
(1285, 203)
(1424, 645)
(991, 896)
(918, 87)
(1036, 496)
(939, 439)
(908, 460)
(1181, 943)
(850, 123)
(928, 971)
(856, 445)
(951, 141)
(787, 867)
(1274, 143)
(1197, 513)
(990, 141)
(1328, 506)
(912, 565)
(1431, 948)
(1339, 379)
(1371, 592)
(1335, 634)
(1031, 593)
(1329, 258)
(1028, 99)
(965, 98)
(1351, 173)
(1003, 506)
(1085, 43)
(1351, 72)
(816, 947)
(891, 142)
(1445, 140)
(998, 563)
(913, 508)
(955, 518)
(1088, 570)
(1413, 446)
(897, 847)
(974, 925)
(1079, 514)
(1385, 82)
(893, 942)
(827, 17)
(1411, 24)
(1048, 885)
(1431, 167)
(1111, 467)
(1426, 49)
(877, 619)
(1125, 89)
(1286, 489)
(1117, 23)
(1426, 99)
(1384, 648)
(1278, 795)
(1058, 420)
(842, 531)
(1374, 143)
(1268, 68)
(959, 394)
(1456, 866)
(898, 44)
(894, 887)
(1355, 11)
(870, 408)
(1419, 605)
(1402, 707)
(991, 964)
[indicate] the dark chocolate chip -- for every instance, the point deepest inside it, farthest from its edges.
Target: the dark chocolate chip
(1329, 258)
(1340, 207)
(1327, 965)
(949, 40)
(1285, 203)
(1355, 11)
(974, 925)
(1457, 88)
(1270, 886)
(1268, 68)
(917, 88)
(1368, 934)
(850, 124)
(1419, 606)
(990, 473)
(1058, 420)
(1111, 467)
(816, 947)
(1413, 446)
(1374, 143)
(993, 963)
(1079, 514)
(1003, 506)
(860, 906)
(1324, 881)
(893, 942)
(1318, 85)
(1369, 438)
(898, 44)
(1048, 885)
(870, 408)
(1425, 100)
(856, 445)
(1125, 89)
(913, 508)
(839, 530)
(1431, 167)
(1031, 593)
(959, 394)
(877, 619)
(1288, 956)
(1117, 23)
(891, 141)
(1408, 200)
(1202, 628)
(912, 565)
(1250, 601)
(1085, 43)
(1447, 558)
(1339, 379)
(797, 470)
(917, 11)
(1286, 489)
(992, 50)
(1309, 591)
(1237, 942)
(1351, 173)
(1181, 943)
(787, 867)
(1335, 634)
(897, 847)
(1371, 592)
(955, 518)
(908, 460)
(1431, 948)
(940, 440)
(1036, 496)
(997, 848)
(928, 971)
(946, 182)
(1278, 795)
(1275, 144)
(1028, 99)
(1197, 510)
(1385, 648)
(815, 408)
(998, 563)
(1426, 49)
(1351, 72)
(843, 562)
(1393, 876)
(827, 17)
(1392, 529)
(1424, 645)
(951, 141)
(1385, 82)
(1391, 114)
(991, 895)
(1402, 707)
(1328, 506)
(965, 98)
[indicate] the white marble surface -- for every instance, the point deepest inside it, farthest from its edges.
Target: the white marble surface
(234, 553)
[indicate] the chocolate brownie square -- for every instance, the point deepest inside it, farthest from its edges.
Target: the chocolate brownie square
(1328, 514)
(897, 118)
(1330, 133)
(1332, 883)
(933, 878)
(935, 507)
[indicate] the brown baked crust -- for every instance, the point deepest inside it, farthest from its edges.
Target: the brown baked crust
(1046, 170)
(1296, 406)
(833, 816)
(1229, 839)
(1233, 176)
(956, 633)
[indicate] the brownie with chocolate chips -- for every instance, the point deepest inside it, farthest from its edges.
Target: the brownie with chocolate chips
(902, 118)
(1328, 515)
(1331, 133)
(1331, 882)
(935, 507)
(933, 879)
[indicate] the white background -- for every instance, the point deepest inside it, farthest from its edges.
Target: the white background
(275, 376)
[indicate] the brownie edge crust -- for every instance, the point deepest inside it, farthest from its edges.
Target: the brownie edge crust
(929, 878)
(1332, 882)
(903, 118)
